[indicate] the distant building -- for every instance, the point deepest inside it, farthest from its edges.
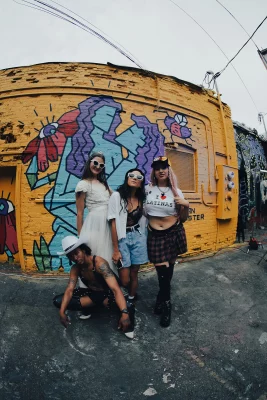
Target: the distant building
(252, 165)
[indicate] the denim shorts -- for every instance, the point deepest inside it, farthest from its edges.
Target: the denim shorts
(133, 249)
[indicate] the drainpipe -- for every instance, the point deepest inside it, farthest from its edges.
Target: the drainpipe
(222, 115)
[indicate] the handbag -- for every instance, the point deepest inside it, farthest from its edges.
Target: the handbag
(253, 244)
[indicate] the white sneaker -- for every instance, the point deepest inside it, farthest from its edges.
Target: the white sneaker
(84, 316)
(129, 335)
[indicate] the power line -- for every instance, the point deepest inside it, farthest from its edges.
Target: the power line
(236, 21)
(201, 27)
(215, 76)
(86, 20)
(47, 8)
(229, 62)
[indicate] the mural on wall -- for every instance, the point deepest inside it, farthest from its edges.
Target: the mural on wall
(8, 235)
(251, 160)
(70, 139)
(177, 126)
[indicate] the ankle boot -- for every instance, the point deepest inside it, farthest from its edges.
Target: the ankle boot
(166, 314)
(158, 306)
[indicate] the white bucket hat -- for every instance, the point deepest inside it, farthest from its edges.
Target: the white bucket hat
(70, 243)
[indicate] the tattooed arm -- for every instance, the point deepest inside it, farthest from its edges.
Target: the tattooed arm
(104, 269)
(68, 295)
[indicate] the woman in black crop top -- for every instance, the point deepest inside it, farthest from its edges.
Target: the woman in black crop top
(128, 229)
(165, 206)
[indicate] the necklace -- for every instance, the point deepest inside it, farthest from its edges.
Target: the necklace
(162, 193)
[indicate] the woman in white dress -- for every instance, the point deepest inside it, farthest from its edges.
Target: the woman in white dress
(93, 193)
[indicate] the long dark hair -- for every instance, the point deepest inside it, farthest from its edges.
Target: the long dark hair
(86, 249)
(125, 190)
(87, 173)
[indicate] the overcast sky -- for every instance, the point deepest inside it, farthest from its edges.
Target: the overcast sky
(161, 36)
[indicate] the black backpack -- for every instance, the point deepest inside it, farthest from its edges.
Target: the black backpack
(253, 244)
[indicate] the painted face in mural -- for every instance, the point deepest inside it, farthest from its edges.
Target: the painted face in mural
(135, 179)
(96, 165)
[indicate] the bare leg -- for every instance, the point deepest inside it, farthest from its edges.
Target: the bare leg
(125, 277)
(133, 279)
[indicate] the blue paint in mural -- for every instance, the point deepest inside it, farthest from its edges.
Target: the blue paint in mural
(74, 136)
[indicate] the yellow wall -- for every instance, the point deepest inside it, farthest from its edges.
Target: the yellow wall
(131, 116)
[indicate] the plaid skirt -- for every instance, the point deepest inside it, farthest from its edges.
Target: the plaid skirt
(167, 244)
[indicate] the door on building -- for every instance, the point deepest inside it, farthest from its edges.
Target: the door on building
(8, 234)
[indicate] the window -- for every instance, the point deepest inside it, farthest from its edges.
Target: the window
(183, 165)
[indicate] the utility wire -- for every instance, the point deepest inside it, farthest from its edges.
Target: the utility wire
(86, 20)
(221, 50)
(236, 21)
(45, 7)
(201, 27)
(229, 62)
(49, 9)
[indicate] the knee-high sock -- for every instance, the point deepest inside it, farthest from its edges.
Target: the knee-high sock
(164, 282)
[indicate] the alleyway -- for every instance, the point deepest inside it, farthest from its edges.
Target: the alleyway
(215, 348)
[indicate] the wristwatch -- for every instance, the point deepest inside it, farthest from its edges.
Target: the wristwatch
(125, 311)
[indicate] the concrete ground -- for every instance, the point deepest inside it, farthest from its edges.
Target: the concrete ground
(215, 348)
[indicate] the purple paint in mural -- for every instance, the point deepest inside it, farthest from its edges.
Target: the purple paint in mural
(82, 143)
(154, 143)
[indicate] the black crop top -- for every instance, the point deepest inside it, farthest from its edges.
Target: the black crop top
(134, 216)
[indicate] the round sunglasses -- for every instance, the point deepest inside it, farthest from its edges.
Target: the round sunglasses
(138, 177)
(159, 167)
(97, 164)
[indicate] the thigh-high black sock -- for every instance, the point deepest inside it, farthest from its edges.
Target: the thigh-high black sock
(164, 282)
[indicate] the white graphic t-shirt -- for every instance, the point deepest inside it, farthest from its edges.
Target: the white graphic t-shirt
(160, 201)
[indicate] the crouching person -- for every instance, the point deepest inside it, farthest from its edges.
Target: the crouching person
(98, 277)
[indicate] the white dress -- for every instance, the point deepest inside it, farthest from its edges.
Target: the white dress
(96, 228)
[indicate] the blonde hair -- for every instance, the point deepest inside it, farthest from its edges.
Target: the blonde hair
(173, 183)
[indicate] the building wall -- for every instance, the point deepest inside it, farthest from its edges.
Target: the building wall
(53, 115)
(251, 161)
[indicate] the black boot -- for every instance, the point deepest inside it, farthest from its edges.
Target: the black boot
(166, 314)
(159, 305)
(164, 288)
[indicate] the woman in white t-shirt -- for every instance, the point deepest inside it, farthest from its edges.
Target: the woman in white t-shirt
(165, 208)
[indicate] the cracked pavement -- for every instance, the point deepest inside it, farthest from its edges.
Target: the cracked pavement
(215, 348)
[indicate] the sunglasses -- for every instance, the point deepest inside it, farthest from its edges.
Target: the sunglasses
(97, 164)
(161, 158)
(158, 167)
(138, 177)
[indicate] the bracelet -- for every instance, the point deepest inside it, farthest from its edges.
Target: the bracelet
(125, 311)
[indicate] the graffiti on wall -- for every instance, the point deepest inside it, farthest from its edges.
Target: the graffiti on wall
(69, 140)
(251, 159)
(8, 235)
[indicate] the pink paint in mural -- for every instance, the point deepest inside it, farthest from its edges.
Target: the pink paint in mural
(8, 235)
(50, 142)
